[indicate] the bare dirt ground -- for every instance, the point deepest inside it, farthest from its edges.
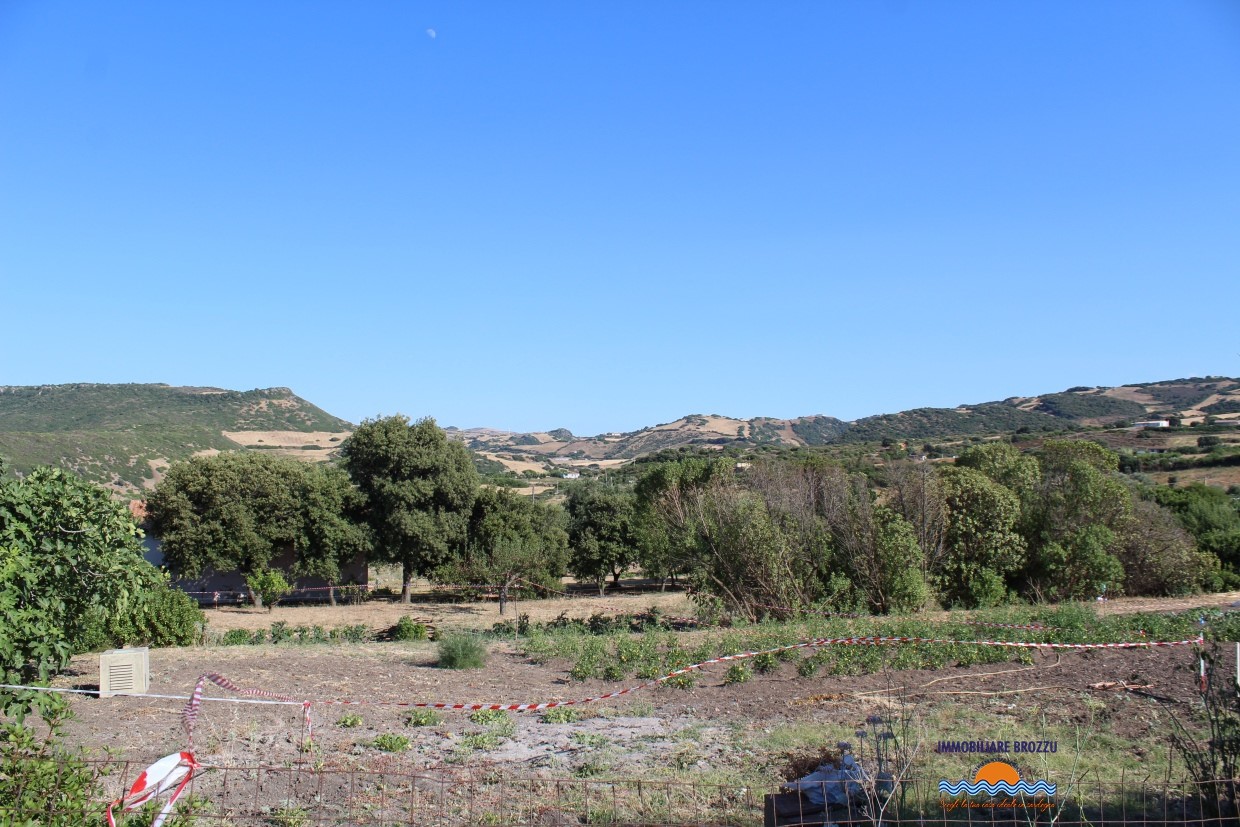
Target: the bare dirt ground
(745, 734)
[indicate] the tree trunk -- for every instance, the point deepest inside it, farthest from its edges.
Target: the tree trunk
(406, 589)
(662, 584)
(615, 578)
(256, 598)
(331, 594)
(602, 586)
(503, 595)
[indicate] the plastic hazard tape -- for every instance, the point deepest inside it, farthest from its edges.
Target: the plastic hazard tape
(189, 715)
(172, 772)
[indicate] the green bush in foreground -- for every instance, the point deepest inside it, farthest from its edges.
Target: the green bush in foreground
(461, 651)
(387, 742)
(408, 629)
(422, 717)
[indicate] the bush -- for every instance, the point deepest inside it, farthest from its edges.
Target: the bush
(43, 784)
(738, 673)
(387, 742)
(408, 629)
(461, 651)
(765, 663)
(235, 637)
(422, 717)
(349, 721)
(269, 585)
(561, 715)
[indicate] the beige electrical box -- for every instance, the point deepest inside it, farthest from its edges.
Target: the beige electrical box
(124, 671)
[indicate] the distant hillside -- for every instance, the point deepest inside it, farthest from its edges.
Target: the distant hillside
(1190, 399)
(124, 435)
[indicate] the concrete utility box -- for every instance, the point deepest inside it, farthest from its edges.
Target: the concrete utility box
(124, 670)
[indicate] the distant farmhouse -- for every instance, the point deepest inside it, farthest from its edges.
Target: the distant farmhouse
(1153, 423)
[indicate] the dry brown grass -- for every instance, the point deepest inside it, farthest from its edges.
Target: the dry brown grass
(287, 439)
(382, 613)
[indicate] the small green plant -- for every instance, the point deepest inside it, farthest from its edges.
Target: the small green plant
(461, 651)
(640, 709)
(613, 672)
(738, 673)
(488, 717)
(422, 717)
(235, 637)
(590, 739)
(480, 741)
(765, 663)
(408, 629)
(289, 816)
(351, 634)
(807, 667)
(684, 681)
(269, 586)
(588, 769)
(389, 742)
(280, 632)
(349, 721)
(561, 715)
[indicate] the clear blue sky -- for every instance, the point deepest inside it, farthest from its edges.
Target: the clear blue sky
(607, 215)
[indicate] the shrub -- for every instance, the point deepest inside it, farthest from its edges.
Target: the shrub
(349, 721)
(280, 632)
(461, 651)
(422, 717)
(408, 629)
(613, 672)
(352, 634)
(235, 637)
(40, 782)
(269, 585)
(738, 673)
(765, 663)
(480, 741)
(388, 742)
(561, 715)
(488, 717)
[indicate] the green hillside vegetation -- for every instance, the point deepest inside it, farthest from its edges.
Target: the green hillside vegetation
(1089, 406)
(113, 433)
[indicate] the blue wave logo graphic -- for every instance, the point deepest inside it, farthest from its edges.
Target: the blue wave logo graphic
(1000, 788)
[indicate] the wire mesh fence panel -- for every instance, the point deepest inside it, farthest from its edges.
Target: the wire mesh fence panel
(303, 795)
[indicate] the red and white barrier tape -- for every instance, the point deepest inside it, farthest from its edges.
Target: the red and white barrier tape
(189, 715)
(172, 772)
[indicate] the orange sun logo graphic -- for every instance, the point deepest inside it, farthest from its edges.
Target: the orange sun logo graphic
(996, 772)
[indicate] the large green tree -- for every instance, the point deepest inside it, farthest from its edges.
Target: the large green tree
(982, 546)
(71, 567)
(511, 539)
(600, 532)
(240, 511)
(420, 489)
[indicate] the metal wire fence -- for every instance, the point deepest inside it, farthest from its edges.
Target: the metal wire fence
(302, 795)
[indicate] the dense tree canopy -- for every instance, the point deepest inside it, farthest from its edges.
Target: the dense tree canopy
(72, 577)
(601, 531)
(240, 511)
(419, 488)
(511, 539)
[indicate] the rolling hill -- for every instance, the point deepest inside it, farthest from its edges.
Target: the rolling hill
(125, 435)
(1190, 399)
